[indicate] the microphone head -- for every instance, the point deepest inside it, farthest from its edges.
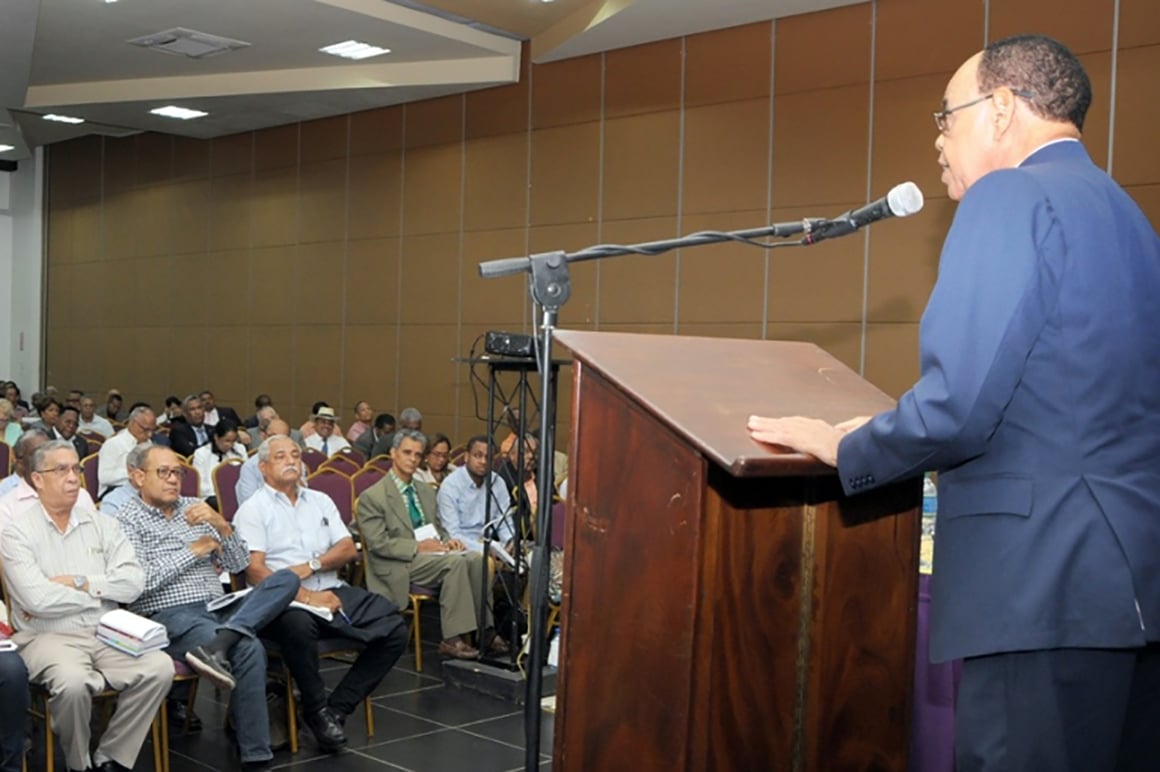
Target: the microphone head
(904, 200)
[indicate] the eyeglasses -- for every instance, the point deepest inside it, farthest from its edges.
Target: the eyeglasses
(940, 116)
(165, 472)
(76, 469)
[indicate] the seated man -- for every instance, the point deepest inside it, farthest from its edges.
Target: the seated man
(463, 502)
(325, 438)
(181, 542)
(363, 412)
(171, 410)
(389, 514)
(381, 430)
(250, 475)
(215, 412)
(111, 469)
(20, 496)
(90, 421)
(66, 429)
(286, 526)
(113, 405)
(65, 567)
(189, 431)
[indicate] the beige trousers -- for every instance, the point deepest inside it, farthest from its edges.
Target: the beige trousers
(459, 577)
(76, 666)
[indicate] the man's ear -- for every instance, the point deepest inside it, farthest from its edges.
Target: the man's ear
(1003, 107)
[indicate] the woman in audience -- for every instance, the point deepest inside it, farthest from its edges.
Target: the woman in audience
(9, 424)
(222, 447)
(435, 466)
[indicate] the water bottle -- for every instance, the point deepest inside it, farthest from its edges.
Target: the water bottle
(929, 514)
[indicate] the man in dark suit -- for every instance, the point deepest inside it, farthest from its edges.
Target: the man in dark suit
(1039, 404)
(189, 431)
(66, 429)
(215, 413)
(380, 432)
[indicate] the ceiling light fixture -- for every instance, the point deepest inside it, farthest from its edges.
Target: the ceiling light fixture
(62, 118)
(6, 148)
(352, 49)
(181, 113)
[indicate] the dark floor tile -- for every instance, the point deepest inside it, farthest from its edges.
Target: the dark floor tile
(396, 681)
(448, 706)
(449, 751)
(510, 730)
(346, 761)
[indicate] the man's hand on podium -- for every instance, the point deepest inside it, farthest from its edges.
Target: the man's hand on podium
(805, 435)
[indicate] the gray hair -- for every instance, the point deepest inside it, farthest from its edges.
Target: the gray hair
(408, 434)
(138, 412)
(191, 398)
(410, 415)
(264, 448)
(139, 455)
(26, 439)
(48, 447)
(265, 416)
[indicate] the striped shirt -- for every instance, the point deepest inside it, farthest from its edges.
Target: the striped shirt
(174, 576)
(92, 545)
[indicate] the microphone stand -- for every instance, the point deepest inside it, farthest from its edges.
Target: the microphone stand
(550, 289)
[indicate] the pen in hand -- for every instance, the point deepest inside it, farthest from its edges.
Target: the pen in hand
(342, 614)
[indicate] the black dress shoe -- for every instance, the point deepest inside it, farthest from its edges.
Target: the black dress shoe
(177, 711)
(211, 666)
(110, 766)
(327, 730)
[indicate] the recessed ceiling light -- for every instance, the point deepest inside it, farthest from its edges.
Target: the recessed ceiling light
(183, 113)
(62, 118)
(6, 148)
(352, 49)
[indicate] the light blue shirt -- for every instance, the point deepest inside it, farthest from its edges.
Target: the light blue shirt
(292, 534)
(249, 480)
(9, 483)
(462, 508)
(119, 497)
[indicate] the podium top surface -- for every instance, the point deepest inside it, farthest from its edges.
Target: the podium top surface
(705, 389)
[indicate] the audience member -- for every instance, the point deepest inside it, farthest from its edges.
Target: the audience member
(12, 394)
(111, 469)
(261, 401)
(250, 477)
(308, 428)
(464, 507)
(113, 403)
(520, 478)
(324, 438)
(74, 399)
(436, 461)
(381, 429)
(17, 494)
(66, 566)
(215, 412)
(9, 424)
(49, 411)
(90, 421)
(404, 544)
(66, 429)
(182, 543)
(286, 526)
(362, 420)
(191, 431)
(222, 447)
(172, 410)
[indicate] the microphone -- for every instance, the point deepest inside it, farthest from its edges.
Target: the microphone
(902, 201)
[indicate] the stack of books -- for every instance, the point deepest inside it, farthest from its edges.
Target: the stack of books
(132, 634)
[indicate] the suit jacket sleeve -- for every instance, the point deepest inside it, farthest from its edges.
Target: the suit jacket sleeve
(382, 535)
(994, 294)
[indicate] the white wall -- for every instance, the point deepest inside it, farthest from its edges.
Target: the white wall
(22, 273)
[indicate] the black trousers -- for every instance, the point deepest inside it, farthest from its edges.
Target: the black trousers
(374, 621)
(1060, 710)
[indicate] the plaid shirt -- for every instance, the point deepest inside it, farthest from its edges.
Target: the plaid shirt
(174, 576)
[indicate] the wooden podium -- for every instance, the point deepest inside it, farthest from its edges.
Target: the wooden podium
(727, 607)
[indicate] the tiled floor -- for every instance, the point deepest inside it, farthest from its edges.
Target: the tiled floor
(420, 725)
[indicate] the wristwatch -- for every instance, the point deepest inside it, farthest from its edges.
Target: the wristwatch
(79, 582)
(315, 565)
